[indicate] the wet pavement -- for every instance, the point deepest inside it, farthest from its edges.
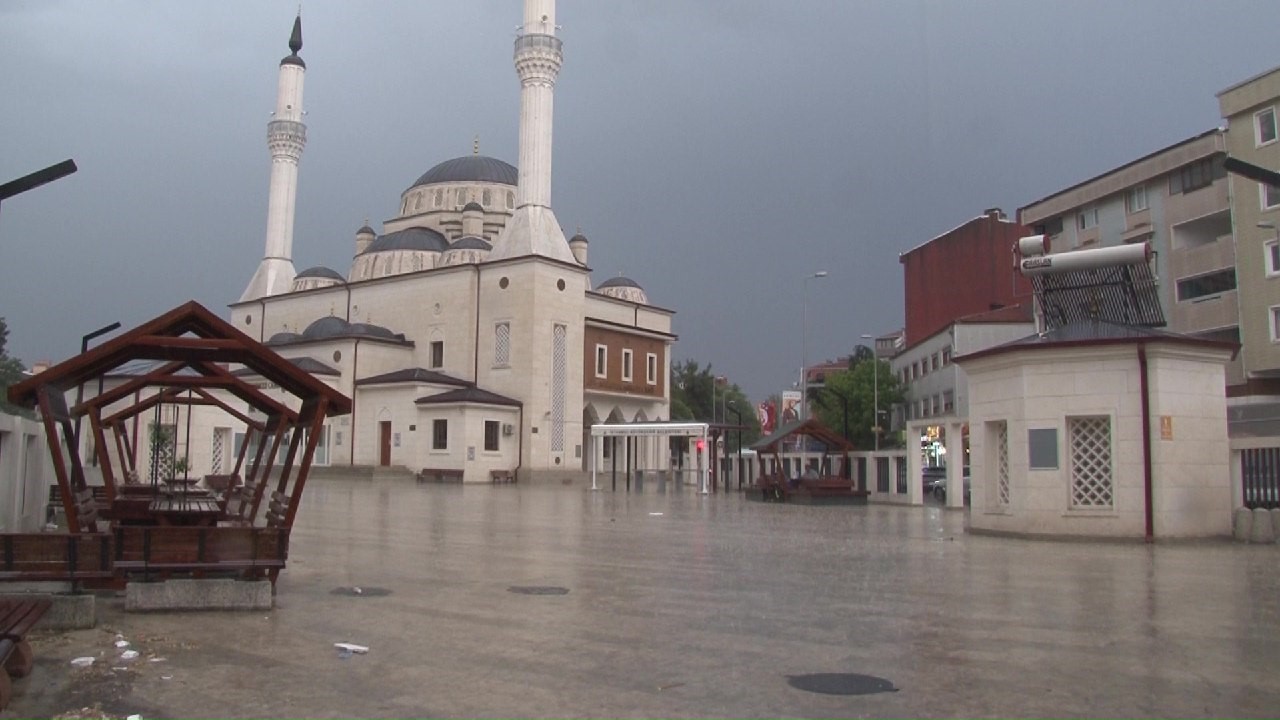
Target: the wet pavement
(553, 601)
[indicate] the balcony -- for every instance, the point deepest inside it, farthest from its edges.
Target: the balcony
(1197, 257)
(537, 42)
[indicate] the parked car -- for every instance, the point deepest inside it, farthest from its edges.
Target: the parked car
(940, 488)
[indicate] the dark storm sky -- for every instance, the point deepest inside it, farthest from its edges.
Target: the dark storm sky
(717, 152)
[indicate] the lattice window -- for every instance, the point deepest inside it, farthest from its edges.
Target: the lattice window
(1091, 484)
(559, 384)
(218, 450)
(1002, 463)
(502, 344)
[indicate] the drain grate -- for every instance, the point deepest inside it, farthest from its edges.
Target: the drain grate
(360, 591)
(538, 590)
(841, 684)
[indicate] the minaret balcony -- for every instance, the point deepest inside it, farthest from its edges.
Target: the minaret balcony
(537, 43)
(287, 130)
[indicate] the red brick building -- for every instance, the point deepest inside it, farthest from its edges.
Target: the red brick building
(964, 271)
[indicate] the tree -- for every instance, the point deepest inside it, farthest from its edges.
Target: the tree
(695, 388)
(11, 373)
(852, 393)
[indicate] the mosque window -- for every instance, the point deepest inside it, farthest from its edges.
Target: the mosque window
(439, 198)
(626, 365)
(440, 434)
(417, 261)
(462, 197)
(487, 198)
(417, 203)
(502, 344)
(651, 368)
(437, 354)
(511, 200)
(602, 361)
(503, 283)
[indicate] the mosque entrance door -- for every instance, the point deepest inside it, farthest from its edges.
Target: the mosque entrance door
(384, 443)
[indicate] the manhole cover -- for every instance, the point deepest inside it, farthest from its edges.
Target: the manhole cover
(538, 590)
(360, 591)
(841, 684)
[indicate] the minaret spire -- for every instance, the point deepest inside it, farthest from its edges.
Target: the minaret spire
(286, 137)
(533, 229)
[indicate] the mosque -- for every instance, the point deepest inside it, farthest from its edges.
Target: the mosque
(467, 332)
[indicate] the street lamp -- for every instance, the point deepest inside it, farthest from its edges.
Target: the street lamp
(875, 391)
(732, 407)
(804, 346)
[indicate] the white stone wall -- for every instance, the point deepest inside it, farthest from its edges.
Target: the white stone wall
(26, 473)
(1043, 389)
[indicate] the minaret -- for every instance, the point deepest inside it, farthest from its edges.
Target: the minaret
(532, 229)
(286, 136)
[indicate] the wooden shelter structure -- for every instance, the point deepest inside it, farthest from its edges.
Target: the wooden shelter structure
(177, 527)
(815, 486)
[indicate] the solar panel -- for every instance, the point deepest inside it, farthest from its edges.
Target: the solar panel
(1112, 284)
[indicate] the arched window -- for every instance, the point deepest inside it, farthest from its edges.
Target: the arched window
(417, 204)
(511, 200)
(487, 198)
(439, 198)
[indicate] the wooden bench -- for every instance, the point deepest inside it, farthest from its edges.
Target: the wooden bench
(55, 556)
(440, 476)
(502, 476)
(245, 551)
(17, 617)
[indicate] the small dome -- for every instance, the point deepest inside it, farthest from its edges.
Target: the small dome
(623, 288)
(281, 338)
(470, 242)
(579, 238)
(326, 327)
(473, 205)
(320, 271)
(470, 168)
(370, 330)
(415, 238)
(365, 230)
(293, 60)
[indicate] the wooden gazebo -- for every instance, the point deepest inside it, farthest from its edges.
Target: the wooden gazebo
(821, 486)
(177, 527)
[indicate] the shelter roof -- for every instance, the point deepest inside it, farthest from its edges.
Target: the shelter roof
(413, 375)
(809, 428)
(1095, 333)
(468, 394)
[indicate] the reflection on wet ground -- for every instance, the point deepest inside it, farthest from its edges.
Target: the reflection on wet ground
(556, 601)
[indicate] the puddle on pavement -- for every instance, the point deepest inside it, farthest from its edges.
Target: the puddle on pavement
(841, 684)
(538, 590)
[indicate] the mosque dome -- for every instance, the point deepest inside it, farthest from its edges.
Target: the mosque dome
(470, 168)
(326, 327)
(473, 205)
(466, 250)
(320, 271)
(579, 238)
(414, 238)
(365, 230)
(282, 338)
(623, 288)
(333, 327)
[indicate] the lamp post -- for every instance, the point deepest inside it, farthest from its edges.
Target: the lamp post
(804, 349)
(84, 348)
(875, 391)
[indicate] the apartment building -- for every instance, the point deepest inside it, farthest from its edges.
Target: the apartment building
(1177, 198)
(1250, 108)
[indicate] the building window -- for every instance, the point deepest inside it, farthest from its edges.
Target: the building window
(651, 369)
(946, 356)
(1264, 122)
(502, 344)
(439, 199)
(626, 365)
(1001, 433)
(1272, 250)
(1275, 323)
(948, 401)
(934, 362)
(1136, 199)
(439, 434)
(437, 354)
(1091, 486)
(487, 197)
(1198, 174)
(462, 197)
(417, 203)
(1270, 195)
(1087, 219)
(511, 200)
(1209, 284)
(491, 435)
(602, 361)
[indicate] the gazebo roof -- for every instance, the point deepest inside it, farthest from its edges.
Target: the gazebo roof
(810, 428)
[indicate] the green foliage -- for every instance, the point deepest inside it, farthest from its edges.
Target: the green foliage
(854, 392)
(10, 374)
(694, 390)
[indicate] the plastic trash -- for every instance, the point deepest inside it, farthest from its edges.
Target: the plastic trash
(129, 655)
(82, 662)
(122, 643)
(654, 514)
(357, 590)
(351, 647)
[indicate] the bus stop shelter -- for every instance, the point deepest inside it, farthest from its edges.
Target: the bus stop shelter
(698, 430)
